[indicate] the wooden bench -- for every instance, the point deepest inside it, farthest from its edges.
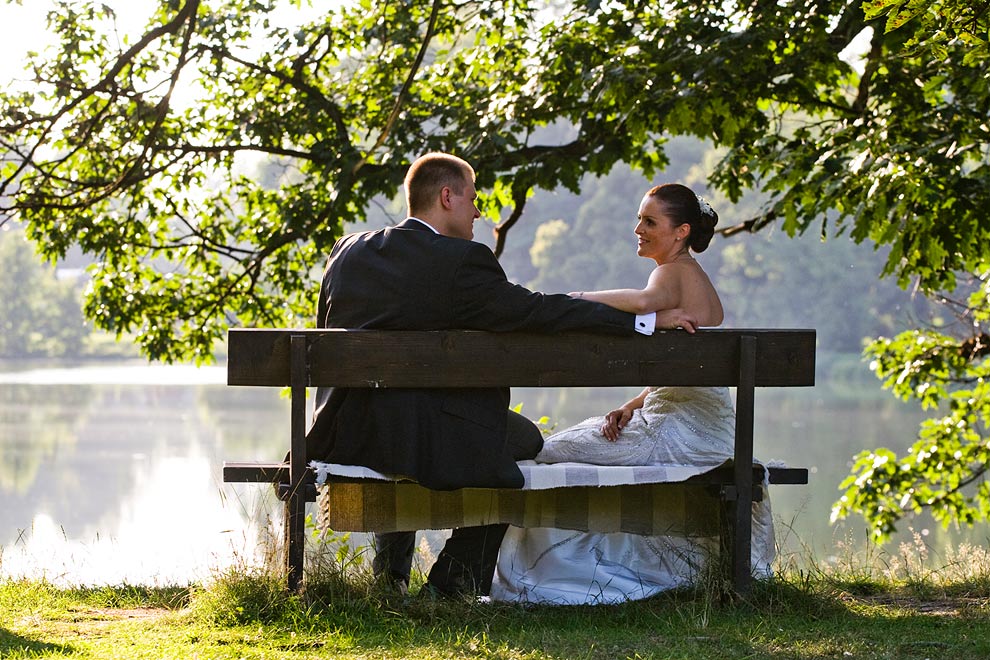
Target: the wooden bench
(740, 358)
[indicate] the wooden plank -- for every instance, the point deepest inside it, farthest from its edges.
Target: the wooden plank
(788, 475)
(255, 472)
(465, 358)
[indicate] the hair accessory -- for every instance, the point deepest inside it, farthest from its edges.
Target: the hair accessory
(706, 208)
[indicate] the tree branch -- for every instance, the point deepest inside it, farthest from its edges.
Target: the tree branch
(975, 347)
(401, 97)
(162, 106)
(214, 149)
(501, 230)
(872, 64)
(295, 81)
(752, 225)
(173, 26)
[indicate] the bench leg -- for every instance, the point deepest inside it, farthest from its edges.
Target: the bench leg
(295, 505)
(295, 537)
(742, 537)
(735, 542)
(742, 507)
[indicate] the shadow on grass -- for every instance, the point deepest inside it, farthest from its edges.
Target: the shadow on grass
(11, 643)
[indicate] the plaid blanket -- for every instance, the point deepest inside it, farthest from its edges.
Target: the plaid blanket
(639, 500)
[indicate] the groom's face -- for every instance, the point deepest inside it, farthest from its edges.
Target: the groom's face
(463, 211)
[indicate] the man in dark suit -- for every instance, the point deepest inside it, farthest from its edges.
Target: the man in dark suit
(427, 274)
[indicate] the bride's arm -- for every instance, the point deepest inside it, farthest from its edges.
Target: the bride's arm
(617, 419)
(657, 296)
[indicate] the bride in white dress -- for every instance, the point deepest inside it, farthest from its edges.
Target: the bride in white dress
(686, 426)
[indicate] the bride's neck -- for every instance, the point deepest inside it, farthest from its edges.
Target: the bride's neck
(680, 257)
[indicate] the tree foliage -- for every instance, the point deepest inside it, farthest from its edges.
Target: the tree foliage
(945, 368)
(140, 151)
(767, 280)
(143, 150)
(945, 469)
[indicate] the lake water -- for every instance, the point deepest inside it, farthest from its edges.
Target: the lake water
(112, 474)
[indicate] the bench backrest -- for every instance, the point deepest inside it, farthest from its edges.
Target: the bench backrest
(466, 358)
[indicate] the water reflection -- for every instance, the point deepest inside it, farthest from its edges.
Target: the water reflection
(47, 424)
(120, 481)
(113, 475)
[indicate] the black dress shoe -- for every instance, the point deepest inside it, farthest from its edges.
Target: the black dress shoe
(393, 584)
(432, 593)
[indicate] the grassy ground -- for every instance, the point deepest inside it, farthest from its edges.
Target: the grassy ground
(892, 606)
(783, 620)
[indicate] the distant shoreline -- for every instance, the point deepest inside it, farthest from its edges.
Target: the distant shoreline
(108, 372)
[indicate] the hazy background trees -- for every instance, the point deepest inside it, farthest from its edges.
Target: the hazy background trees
(40, 315)
(572, 241)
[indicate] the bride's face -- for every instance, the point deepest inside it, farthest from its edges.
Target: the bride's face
(659, 237)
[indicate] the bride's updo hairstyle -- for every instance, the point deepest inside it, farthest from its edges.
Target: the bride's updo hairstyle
(684, 207)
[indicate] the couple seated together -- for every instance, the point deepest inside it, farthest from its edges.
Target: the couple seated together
(426, 273)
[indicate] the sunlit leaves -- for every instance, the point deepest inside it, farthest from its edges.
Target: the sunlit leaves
(944, 471)
(941, 23)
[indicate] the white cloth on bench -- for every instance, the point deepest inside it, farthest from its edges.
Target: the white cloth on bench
(542, 476)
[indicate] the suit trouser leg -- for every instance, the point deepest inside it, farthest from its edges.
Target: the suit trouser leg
(393, 557)
(522, 437)
(467, 562)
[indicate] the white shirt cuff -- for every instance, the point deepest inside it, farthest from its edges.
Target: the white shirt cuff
(646, 323)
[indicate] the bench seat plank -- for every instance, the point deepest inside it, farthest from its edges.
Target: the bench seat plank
(349, 504)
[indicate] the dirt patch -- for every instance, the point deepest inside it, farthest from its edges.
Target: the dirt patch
(97, 616)
(934, 607)
(117, 614)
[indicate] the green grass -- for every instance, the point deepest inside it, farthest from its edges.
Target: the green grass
(901, 604)
(806, 618)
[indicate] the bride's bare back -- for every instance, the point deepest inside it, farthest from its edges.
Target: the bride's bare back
(684, 284)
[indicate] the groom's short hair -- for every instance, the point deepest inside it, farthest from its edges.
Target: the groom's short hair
(429, 174)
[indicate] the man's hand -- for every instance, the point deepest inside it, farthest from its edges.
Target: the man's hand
(676, 318)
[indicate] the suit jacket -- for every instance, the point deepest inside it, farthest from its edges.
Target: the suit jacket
(409, 278)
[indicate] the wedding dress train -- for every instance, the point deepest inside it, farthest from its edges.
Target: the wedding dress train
(683, 426)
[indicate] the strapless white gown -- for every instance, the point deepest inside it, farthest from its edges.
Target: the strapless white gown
(686, 426)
